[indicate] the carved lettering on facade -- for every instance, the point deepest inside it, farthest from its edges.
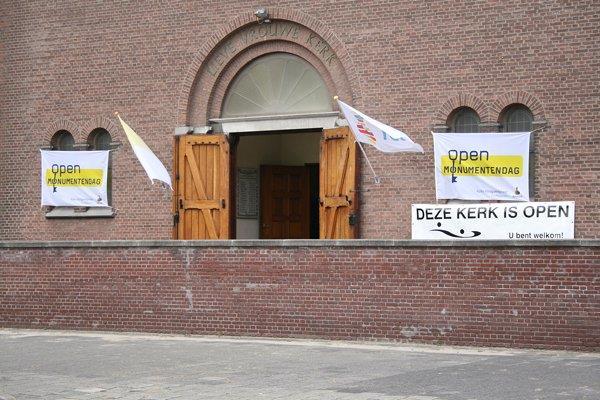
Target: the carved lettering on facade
(321, 47)
(223, 54)
(276, 30)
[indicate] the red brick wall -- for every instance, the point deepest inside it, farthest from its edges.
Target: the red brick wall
(70, 64)
(542, 297)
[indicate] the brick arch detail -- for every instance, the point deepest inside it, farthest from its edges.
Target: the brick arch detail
(217, 96)
(100, 122)
(59, 125)
(517, 97)
(461, 100)
(193, 87)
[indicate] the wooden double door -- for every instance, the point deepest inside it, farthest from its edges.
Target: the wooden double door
(203, 201)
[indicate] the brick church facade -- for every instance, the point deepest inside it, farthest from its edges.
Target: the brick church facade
(225, 92)
(169, 66)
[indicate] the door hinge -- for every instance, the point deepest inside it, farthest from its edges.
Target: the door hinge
(175, 218)
(353, 219)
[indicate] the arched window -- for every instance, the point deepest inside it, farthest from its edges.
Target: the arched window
(464, 120)
(519, 118)
(516, 118)
(62, 140)
(99, 139)
(276, 84)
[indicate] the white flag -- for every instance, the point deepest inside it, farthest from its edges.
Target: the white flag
(370, 131)
(74, 178)
(152, 165)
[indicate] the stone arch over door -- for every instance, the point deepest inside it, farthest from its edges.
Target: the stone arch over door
(242, 40)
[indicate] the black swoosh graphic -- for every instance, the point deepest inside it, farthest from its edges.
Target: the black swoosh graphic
(475, 234)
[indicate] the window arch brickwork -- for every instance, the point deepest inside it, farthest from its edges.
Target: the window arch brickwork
(62, 124)
(518, 97)
(100, 122)
(457, 102)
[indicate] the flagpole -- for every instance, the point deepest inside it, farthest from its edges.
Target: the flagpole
(538, 129)
(376, 178)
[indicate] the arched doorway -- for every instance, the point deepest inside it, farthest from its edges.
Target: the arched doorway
(267, 158)
(280, 170)
(277, 170)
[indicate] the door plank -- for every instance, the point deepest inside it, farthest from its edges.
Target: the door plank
(339, 201)
(202, 204)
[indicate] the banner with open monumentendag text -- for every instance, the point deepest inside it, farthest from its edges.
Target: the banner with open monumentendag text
(74, 178)
(482, 166)
(494, 221)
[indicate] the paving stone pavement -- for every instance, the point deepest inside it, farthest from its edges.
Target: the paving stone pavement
(52, 365)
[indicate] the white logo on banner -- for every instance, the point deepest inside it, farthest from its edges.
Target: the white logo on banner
(494, 221)
(74, 178)
(482, 166)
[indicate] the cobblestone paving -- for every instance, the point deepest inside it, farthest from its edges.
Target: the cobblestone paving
(64, 365)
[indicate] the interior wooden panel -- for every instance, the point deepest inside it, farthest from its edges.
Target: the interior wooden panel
(285, 203)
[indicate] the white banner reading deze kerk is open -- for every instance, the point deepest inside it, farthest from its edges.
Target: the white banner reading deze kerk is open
(482, 166)
(494, 221)
(74, 178)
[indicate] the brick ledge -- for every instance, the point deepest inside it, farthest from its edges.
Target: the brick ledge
(300, 243)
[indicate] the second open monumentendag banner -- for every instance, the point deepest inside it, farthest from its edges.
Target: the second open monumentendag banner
(482, 166)
(74, 178)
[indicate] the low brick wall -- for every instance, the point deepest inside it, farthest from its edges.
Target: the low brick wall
(542, 295)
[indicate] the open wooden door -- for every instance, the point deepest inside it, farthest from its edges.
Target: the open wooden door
(202, 181)
(284, 202)
(338, 203)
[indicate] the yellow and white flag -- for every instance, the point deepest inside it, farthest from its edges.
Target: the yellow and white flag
(152, 165)
(370, 131)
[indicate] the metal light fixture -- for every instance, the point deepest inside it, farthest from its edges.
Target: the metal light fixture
(262, 15)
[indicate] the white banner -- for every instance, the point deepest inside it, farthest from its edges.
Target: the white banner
(482, 166)
(494, 221)
(74, 178)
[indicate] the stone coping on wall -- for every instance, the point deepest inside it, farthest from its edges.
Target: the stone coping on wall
(357, 243)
